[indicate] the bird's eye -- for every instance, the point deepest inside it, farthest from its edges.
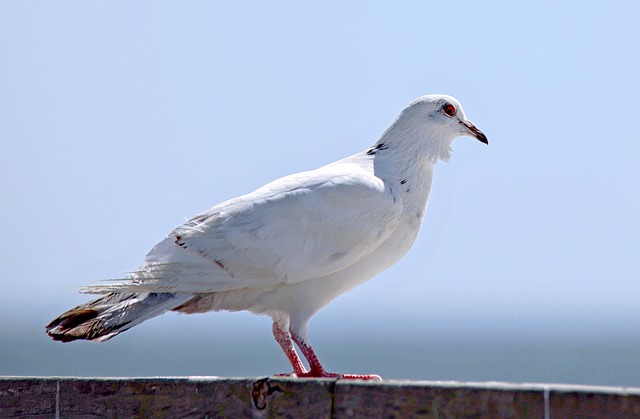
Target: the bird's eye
(449, 110)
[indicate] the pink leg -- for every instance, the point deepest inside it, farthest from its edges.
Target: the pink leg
(317, 370)
(284, 340)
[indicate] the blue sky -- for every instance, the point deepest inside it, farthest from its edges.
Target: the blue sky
(119, 119)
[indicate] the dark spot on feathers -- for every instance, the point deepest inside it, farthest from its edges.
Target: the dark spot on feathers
(221, 266)
(378, 147)
(180, 243)
(403, 181)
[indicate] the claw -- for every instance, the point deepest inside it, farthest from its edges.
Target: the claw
(324, 374)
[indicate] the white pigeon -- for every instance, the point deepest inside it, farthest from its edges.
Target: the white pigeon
(289, 248)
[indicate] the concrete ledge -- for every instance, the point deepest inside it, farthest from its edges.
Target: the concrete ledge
(199, 397)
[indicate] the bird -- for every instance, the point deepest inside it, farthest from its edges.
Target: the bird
(292, 246)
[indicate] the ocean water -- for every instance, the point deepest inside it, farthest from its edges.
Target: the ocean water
(242, 346)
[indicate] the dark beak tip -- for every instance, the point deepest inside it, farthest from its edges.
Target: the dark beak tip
(476, 132)
(482, 138)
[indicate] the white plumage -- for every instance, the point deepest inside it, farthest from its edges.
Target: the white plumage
(291, 247)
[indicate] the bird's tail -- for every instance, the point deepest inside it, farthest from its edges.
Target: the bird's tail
(105, 317)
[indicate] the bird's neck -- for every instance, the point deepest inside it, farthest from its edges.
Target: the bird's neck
(404, 141)
(408, 174)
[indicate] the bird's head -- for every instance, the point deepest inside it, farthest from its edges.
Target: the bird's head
(431, 123)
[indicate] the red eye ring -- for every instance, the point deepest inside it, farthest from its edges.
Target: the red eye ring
(449, 110)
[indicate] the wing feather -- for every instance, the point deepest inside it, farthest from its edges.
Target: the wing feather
(300, 227)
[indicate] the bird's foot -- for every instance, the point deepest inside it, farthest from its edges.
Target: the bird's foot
(324, 374)
(286, 374)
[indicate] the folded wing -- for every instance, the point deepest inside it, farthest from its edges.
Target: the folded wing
(301, 227)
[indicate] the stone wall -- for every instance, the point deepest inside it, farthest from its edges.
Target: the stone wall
(201, 397)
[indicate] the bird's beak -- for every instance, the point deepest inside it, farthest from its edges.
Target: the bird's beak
(475, 131)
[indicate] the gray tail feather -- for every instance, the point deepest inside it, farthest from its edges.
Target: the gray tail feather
(105, 317)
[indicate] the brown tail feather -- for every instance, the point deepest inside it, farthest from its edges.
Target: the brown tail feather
(105, 317)
(84, 322)
(69, 321)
